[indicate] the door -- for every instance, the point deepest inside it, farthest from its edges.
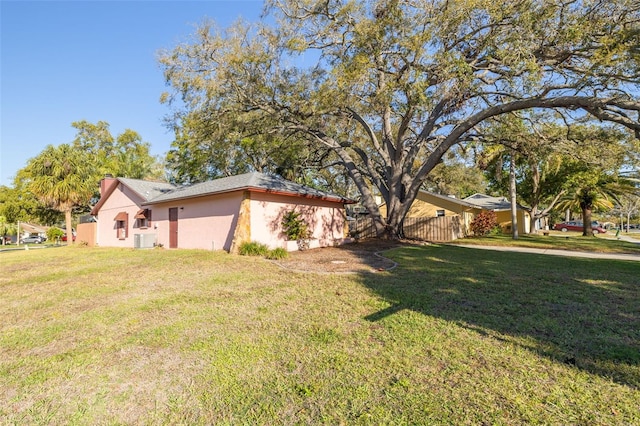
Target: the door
(173, 227)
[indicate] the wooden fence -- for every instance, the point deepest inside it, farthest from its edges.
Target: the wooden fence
(435, 229)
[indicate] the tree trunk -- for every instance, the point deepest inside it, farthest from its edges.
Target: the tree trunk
(67, 221)
(393, 227)
(533, 218)
(586, 221)
(512, 195)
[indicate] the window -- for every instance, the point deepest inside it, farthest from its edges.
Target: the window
(122, 220)
(143, 218)
(439, 213)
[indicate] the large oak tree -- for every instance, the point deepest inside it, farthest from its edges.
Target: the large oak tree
(388, 87)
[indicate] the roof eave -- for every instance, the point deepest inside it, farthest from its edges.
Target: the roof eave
(338, 200)
(103, 197)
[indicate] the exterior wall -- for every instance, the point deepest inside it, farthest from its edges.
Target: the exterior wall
(203, 223)
(242, 232)
(524, 221)
(467, 218)
(121, 200)
(212, 222)
(427, 205)
(326, 220)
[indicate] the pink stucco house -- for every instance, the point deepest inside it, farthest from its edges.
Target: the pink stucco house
(216, 215)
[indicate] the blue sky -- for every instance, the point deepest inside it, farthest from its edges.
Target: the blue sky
(66, 61)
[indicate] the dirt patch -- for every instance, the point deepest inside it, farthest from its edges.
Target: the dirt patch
(362, 256)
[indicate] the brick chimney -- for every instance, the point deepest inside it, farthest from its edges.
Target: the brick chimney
(106, 182)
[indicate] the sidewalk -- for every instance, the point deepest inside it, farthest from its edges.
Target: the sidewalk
(628, 239)
(568, 253)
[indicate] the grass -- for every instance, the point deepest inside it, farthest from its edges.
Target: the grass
(560, 241)
(451, 336)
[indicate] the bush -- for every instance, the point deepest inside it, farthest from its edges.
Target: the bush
(484, 223)
(252, 248)
(294, 226)
(277, 253)
(54, 234)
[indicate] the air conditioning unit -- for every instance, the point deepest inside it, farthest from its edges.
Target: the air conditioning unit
(144, 240)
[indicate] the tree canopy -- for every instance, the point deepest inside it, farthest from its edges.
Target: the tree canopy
(386, 88)
(47, 186)
(551, 161)
(61, 178)
(125, 155)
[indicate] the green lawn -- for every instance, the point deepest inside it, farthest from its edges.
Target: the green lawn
(606, 243)
(452, 336)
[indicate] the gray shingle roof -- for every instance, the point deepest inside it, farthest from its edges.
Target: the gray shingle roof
(490, 203)
(146, 189)
(452, 199)
(253, 180)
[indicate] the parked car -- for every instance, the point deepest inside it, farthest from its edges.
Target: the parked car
(576, 225)
(33, 239)
(64, 237)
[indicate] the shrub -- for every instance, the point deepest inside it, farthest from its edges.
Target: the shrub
(277, 253)
(295, 228)
(54, 234)
(252, 248)
(484, 222)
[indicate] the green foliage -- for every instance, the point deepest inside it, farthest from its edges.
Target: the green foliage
(294, 226)
(18, 203)
(396, 85)
(594, 190)
(62, 178)
(277, 254)
(126, 155)
(6, 229)
(484, 222)
(59, 178)
(252, 248)
(453, 177)
(552, 161)
(54, 233)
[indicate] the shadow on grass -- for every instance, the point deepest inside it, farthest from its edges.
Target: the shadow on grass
(582, 312)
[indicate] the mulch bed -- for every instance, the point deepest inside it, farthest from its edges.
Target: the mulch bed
(357, 257)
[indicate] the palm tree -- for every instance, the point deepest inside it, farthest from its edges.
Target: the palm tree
(62, 178)
(593, 190)
(586, 199)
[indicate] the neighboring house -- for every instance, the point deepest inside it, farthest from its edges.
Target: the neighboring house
(502, 207)
(216, 215)
(429, 204)
(27, 229)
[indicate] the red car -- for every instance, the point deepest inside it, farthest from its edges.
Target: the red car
(64, 237)
(576, 225)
